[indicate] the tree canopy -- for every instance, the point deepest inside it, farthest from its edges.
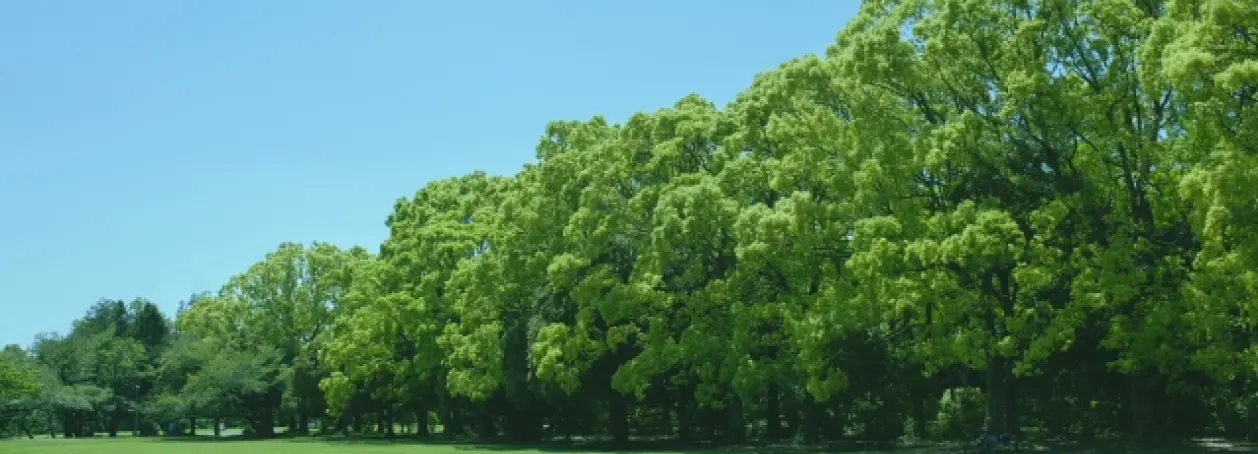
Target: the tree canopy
(966, 214)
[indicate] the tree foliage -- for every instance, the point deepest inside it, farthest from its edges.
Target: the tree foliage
(1007, 214)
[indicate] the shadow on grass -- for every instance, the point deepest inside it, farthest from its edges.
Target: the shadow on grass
(1189, 446)
(554, 446)
(459, 443)
(1195, 446)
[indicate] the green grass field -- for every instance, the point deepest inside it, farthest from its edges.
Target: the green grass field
(310, 445)
(210, 446)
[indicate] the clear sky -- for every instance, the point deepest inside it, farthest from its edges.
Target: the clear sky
(154, 148)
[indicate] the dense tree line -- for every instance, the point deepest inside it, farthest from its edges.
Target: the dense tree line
(90, 380)
(967, 213)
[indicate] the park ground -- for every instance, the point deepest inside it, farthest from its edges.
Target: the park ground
(234, 445)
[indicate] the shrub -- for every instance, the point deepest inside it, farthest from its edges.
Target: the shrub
(961, 411)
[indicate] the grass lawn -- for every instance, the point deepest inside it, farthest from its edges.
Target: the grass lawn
(207, 445)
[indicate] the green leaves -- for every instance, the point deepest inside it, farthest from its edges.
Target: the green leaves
(1030, 189)
(18, 376)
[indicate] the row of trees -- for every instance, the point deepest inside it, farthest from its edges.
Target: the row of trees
(89, 380)
(968, 213)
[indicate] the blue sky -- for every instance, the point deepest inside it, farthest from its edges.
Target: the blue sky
(155, 148)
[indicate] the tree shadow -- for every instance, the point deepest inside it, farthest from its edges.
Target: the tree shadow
(1195, 446)
(557, 446)
(636, 446)
(502, 445)
(1120, 446)
(224, 438)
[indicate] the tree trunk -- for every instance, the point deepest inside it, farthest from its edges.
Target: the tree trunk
(218, 427)
(457, 426)
(994, 419)
(421, 418)
(736, 430)
(303, 421)
(812, 419)
(485, 420)
(1140, 408)
(618, 418)
(792, 409)
(1012, 423)
(265, 425)
(667, 427)
(445, 411)
(192, 427)
(523, 422)
(565, 424)
(713, 425)
(773, 414)
(25, 426)
(919, 414)
(685, 419)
